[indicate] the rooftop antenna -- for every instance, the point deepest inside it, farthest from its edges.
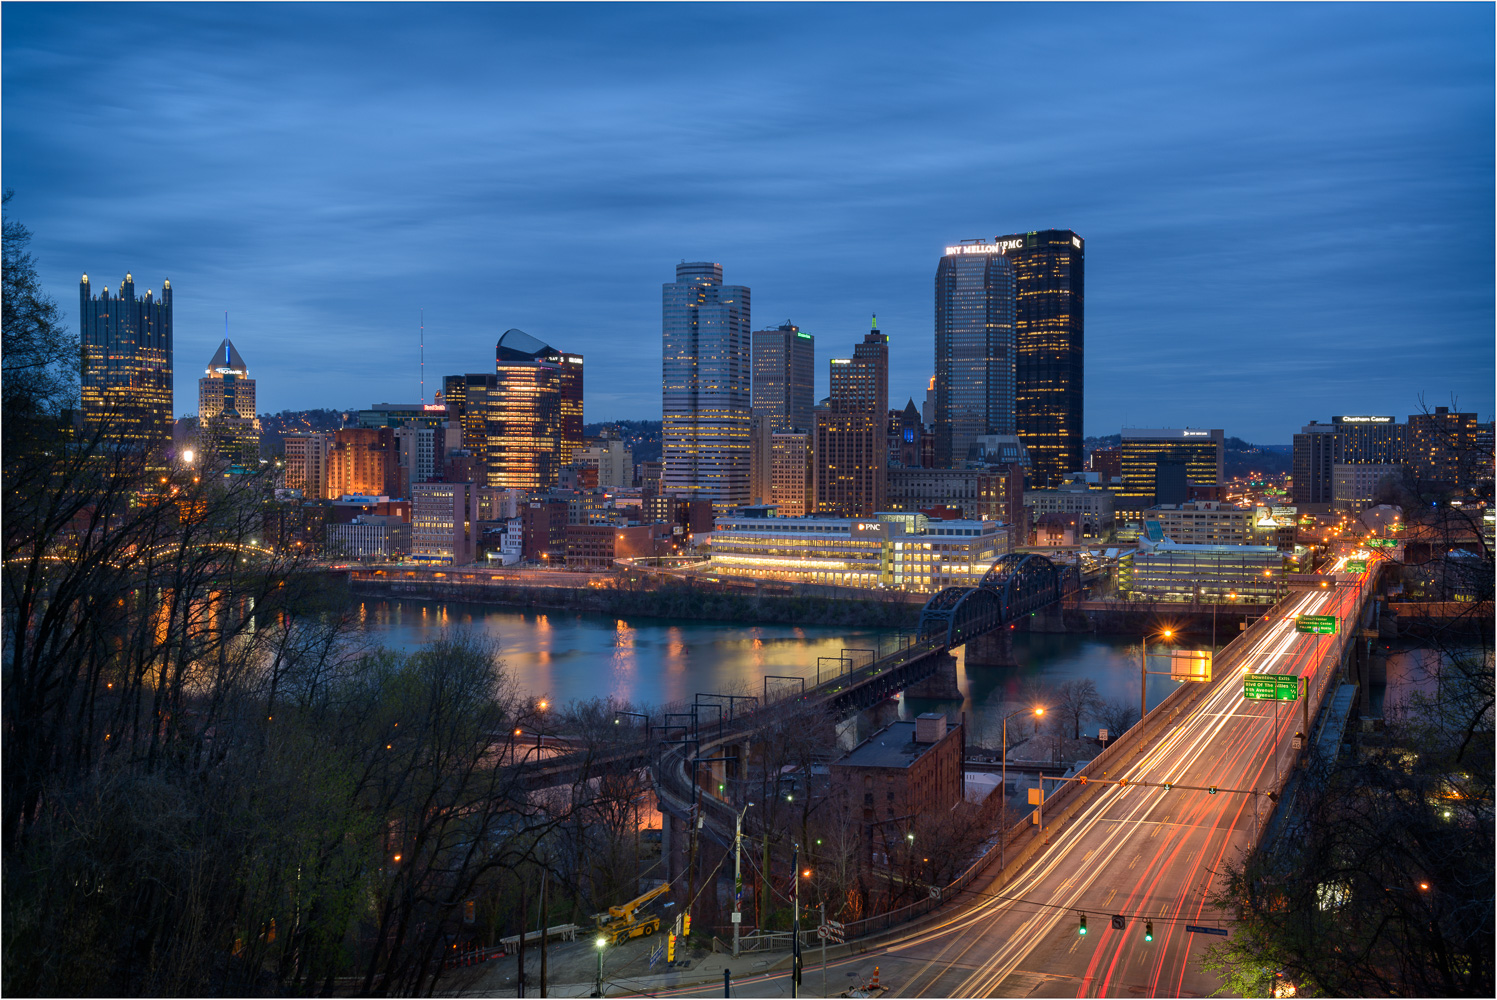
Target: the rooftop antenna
(423, 357)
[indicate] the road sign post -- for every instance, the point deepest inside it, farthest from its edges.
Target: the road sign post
(1270, 687)
(1316, 624)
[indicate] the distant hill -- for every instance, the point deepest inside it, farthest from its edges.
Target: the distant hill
(642, 437)
(275, 426)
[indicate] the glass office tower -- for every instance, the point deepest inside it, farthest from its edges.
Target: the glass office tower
(126, 379)
(1048, 311)
(975, 348)
(705, 382)
(784, 373)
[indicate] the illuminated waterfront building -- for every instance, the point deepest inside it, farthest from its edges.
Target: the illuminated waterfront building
(892, 550)
(933, 555)
(126, 378)
(784, 365)
(975, 348)
(228, 427)
(851, 442)
(706, 394)
(1169, 571)
(1198, 454)
(1049, 285)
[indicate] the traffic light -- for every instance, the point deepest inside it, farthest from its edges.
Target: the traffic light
(1148, 930)
(1082, 929)
(670, 947)
(686, 927)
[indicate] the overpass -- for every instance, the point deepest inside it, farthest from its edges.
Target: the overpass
(1136, 840)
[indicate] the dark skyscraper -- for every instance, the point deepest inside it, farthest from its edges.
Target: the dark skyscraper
(127, 364)
(784, 363)
(975, 348)
(851, 445)
(1048, 313)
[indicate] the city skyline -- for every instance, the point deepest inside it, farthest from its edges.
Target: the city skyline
(1217, 211)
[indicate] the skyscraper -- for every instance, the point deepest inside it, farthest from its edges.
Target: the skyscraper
(1048, 312)
(705, 376)
(227, 424)
(526, 442)
(852, 445)
(784, 362)
(127, 365)
(975, 348)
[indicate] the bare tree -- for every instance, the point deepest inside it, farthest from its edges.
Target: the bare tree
(1118, 715)
(1075, 701)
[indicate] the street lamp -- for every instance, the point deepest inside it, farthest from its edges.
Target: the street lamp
(600, 943)
(1143, 673)
(1003, 786)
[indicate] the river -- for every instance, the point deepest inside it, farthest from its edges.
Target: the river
(563, 656)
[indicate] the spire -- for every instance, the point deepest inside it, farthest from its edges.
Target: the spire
(875, 322)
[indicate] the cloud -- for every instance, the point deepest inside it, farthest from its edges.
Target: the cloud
(1276, 209)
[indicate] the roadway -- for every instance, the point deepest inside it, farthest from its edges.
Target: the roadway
(1147, 854)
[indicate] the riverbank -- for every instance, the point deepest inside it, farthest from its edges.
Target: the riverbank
(675, 599)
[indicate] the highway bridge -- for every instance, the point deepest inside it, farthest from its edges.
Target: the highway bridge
(1133, 844)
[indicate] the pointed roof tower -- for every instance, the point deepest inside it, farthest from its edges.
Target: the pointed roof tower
(226, 361)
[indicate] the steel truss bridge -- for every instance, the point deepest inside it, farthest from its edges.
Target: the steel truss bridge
(1017, 585)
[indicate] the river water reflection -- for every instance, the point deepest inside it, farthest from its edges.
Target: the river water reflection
(652, 661)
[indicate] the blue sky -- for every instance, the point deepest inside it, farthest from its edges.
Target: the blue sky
(1288, 208)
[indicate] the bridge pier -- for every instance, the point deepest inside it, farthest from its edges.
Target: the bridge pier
(992, 649)
(1051, 618)
(941, 684)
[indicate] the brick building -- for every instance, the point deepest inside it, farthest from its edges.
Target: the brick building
(905, 771)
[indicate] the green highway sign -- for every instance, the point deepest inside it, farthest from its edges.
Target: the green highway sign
(1316, 624)
(1270, 687)
(1383, 543)
(1356, 566)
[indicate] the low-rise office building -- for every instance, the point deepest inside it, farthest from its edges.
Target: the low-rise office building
(1093, 507)
(1205, 523)
(1353, 487)
(369, 536)
(1170, 571)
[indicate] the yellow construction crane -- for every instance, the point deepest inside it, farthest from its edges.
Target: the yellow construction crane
(622, 922)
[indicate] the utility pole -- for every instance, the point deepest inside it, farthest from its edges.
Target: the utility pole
(738, 876)
(524, 905)
(795, 925)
